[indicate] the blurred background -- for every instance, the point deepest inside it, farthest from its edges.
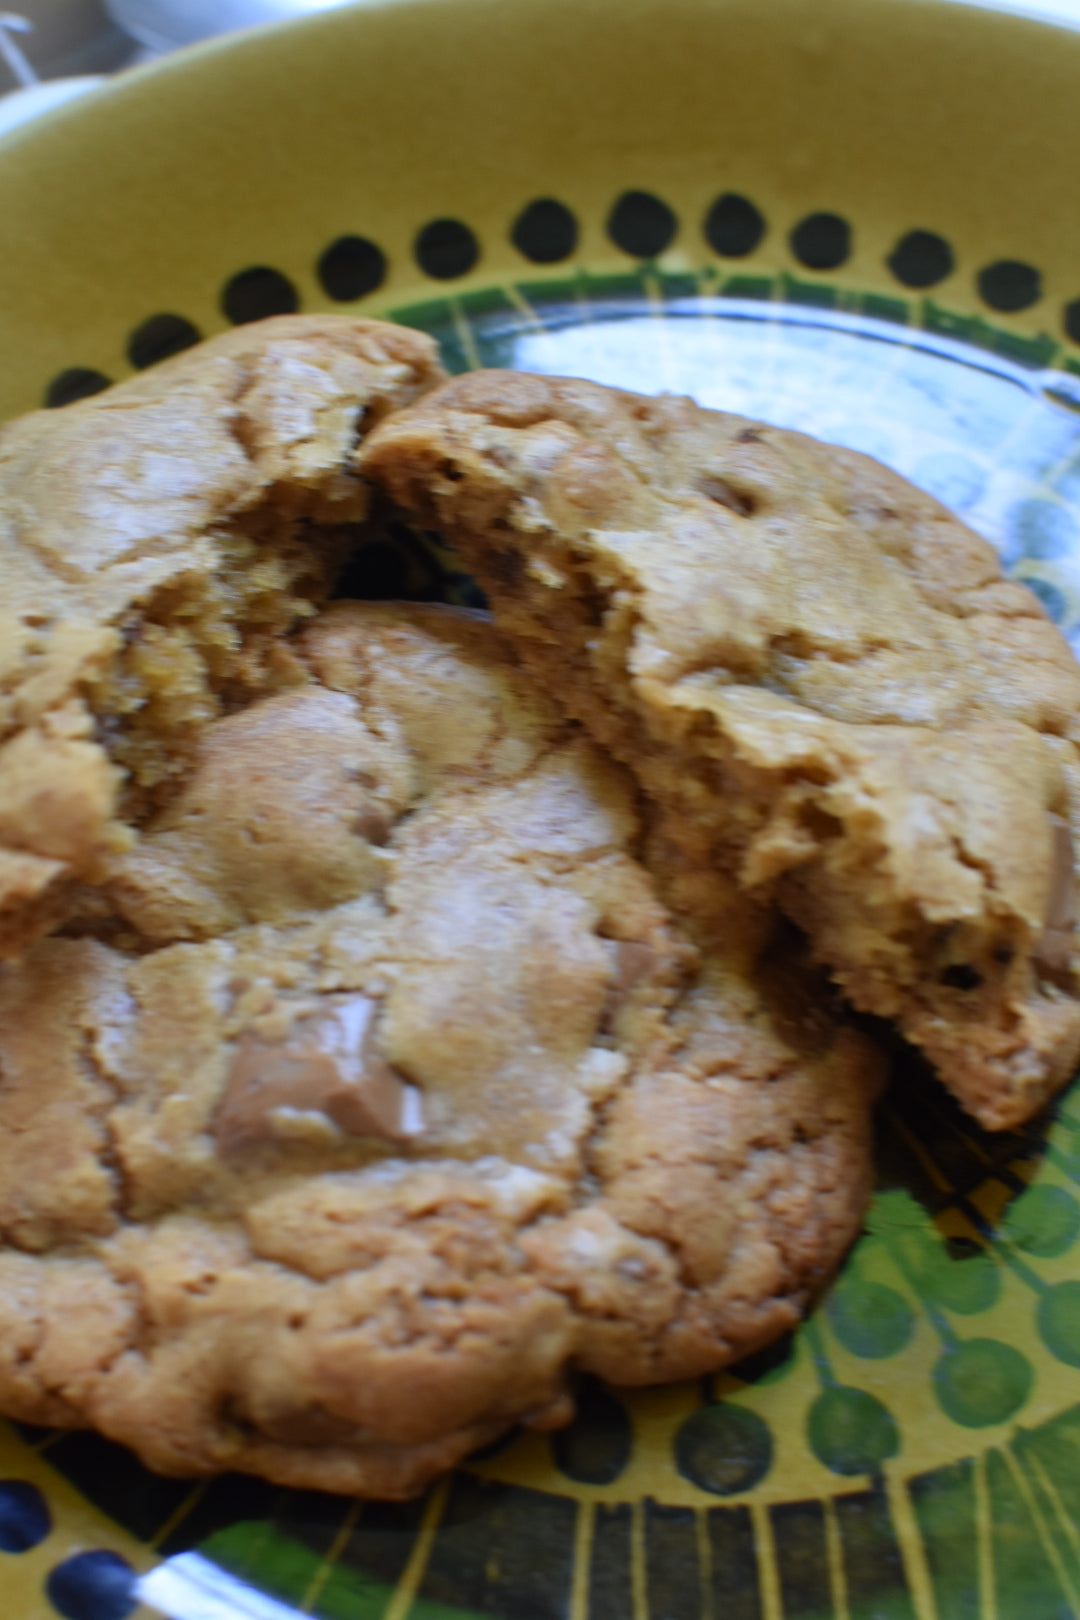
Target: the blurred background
(52, 50)
(75, 38)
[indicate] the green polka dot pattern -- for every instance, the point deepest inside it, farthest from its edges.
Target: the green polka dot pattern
(851, 1431)
(1043, 1221)
(870, 1319)
(1059, 1322)
(982, 1382)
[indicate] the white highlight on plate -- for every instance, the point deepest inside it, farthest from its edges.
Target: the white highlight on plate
(164, 25)
(1062, 12)
(997, 441)
(190, 1587)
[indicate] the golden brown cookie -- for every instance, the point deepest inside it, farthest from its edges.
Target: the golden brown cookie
(818, 671)
(155, 544)
(394, 1075)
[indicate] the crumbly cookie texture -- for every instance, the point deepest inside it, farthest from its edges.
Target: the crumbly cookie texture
(155, 544)
(819, 669)
(399, 1072)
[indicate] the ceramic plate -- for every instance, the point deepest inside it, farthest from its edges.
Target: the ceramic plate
(856, 218)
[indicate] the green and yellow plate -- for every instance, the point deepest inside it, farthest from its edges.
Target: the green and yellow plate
(856, 217)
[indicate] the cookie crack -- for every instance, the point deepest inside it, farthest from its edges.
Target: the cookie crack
(109, 1153)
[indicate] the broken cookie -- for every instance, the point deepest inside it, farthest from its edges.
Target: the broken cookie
(364, 1104)
(814, 668)
(156, 544)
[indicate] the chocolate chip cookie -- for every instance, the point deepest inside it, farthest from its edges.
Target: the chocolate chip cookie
(156, 542)
(818, 671)
(397, 1070)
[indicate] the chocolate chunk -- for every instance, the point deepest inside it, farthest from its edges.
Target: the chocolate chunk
(1061, 907)
(1056, 943)
(725, 494)
(632, 962)
(373, 824)
(323, 1077)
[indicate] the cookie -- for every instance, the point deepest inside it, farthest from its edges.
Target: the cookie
(398, 1071)
(155, 544)
(819, 671)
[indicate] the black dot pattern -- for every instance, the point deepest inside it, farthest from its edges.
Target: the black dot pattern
(258, 293)
(351, 268)
(822, 241)
(159, 338)
(1009, 286)
(597, 1445)
(445, 249)
(921, 259)
(25, 1519)
(733, 226)
(641, 224)
(77, 383)
(545, 232)
(93, 1586)
(724, 1449)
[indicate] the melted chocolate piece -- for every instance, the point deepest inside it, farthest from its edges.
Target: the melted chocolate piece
(1057, 941)
(725, 494)
(632, 962)
(326, 1070)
